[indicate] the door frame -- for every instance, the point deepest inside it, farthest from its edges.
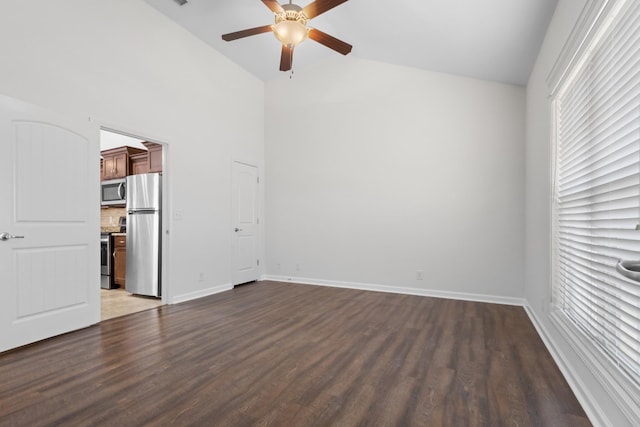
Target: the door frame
(165, 268)
(260, 219)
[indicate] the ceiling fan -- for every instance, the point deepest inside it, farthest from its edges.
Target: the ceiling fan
(291, 28)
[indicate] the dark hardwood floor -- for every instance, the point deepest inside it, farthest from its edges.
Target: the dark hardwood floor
(280, 354)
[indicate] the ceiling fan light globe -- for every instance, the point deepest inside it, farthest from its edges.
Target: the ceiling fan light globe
(290, 33)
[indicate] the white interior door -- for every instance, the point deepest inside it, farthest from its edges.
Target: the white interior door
(245, 229)
(49, 216)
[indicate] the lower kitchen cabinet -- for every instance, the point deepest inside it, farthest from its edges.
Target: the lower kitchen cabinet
(119, 260)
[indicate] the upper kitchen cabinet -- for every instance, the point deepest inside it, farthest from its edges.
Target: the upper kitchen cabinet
(155, 156)
(139, 163)
(116, 163)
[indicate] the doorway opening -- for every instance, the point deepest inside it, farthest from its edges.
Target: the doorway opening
(132, 223)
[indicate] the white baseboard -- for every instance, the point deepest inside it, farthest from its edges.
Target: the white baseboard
(201, 293)
(399, 290)
(584, 396)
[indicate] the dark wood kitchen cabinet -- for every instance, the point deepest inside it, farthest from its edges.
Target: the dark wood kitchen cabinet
(114, 165)
(155, 156)
(139, 163)
(116, 162)
(119, 260)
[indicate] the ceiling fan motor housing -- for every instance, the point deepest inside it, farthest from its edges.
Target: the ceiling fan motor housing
(292, 12)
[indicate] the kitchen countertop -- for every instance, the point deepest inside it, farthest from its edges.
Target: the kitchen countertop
(115, 231)
(109, 229)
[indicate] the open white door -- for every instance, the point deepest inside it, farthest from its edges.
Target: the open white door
(49, 246)
(245, 229)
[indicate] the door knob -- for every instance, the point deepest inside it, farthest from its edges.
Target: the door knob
(6, 236)
(238, 229)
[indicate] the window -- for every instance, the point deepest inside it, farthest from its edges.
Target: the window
(597, 195)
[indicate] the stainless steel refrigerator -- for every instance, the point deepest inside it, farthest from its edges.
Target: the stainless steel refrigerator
(144, 202)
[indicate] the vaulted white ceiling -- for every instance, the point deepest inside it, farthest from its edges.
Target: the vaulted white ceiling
(494, 40)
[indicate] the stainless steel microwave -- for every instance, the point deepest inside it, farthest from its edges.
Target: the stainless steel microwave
(113, 192)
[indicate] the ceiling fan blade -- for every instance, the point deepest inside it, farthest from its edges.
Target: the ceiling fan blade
(246, 33)
(320, 6)
(286, 59)
(329, 41)
(273, 5)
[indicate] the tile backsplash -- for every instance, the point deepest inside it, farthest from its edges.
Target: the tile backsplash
(110, 219)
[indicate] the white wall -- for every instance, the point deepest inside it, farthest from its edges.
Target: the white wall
(594, 398)
(375, 171)
(130, 68)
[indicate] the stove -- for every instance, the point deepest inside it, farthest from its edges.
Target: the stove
(106, 261)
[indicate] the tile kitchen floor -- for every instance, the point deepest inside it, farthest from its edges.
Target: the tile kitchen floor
(118, 302)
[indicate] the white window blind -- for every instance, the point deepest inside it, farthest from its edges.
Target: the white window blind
(597, 192)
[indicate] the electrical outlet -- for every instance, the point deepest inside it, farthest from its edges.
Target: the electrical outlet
(419, 274)
(201, 277)
(278, 267)
(297, 267)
